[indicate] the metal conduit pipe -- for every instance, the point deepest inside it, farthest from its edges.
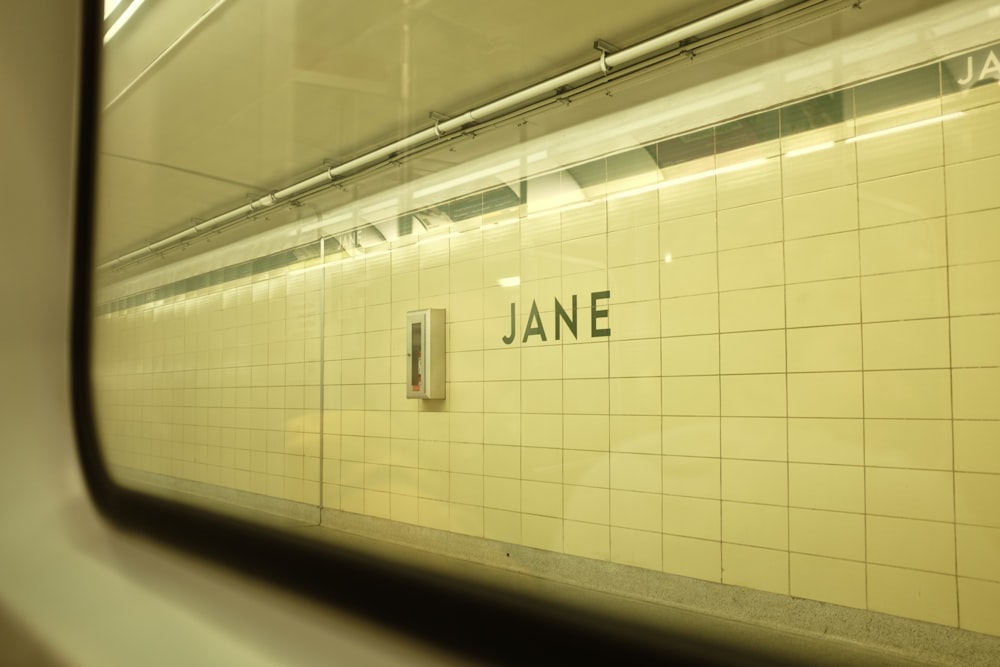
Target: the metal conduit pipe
(506, 104)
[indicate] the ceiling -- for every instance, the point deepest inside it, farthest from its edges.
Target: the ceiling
(209, 104)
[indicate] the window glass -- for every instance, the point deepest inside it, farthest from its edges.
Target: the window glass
(728, 324)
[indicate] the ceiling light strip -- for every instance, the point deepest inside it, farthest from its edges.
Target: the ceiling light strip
(521, 98)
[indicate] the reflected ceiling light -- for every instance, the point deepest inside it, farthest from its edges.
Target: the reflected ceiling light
(510, 281)
(708, 173)
(482, 173)
(669, 257)
(122, 20)
(907, 126)
(809, 149)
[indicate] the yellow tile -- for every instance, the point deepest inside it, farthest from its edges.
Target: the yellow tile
(501, 428)
(908, 394)
(829, 487)
(636, 510)
(541, 396)
(635, 396)
(754, 309)
(691, 436)
(636, 320)
(584, 221)
(585, 360)
(503, 364)
(691, 396)
(688, 557)
(542, 532)
(969, 185)
(584, 254)
(823, 212)
(589, 432)
(821, 169)
(541, 363)
(540, 464)
(753, 395)
(746, 268)
(536, 263)
(693, 235)
(971, 292)
(925, 596)
(404, 509)
(466, 519)
(540, 226)
(754, 567)
(501, 525)
(752, 181)
(914, 196)
(543, 498)
(466, 489)
(761, 438)
(973, 135)
(823, 303)
(587, 540)
(636, 547)
(636, 282)
(917, 545)
(541, 430)
(633, 246)
(905, 296)
(912, 150)
(750, 225)
(896, 443)
(587, 503)
(690, 355)
(691, 476)
(974, 341)
(640, 209)
(973, 237)
(585, 396)
(755, 525)
(822, 257)
(980, 606)
(688, 197)
(914, 344)
(823, 533)
(467, 427)
(690, 315)
(753, 352)
(692, 517)
(502, 493)
(636, 472)
(635, 358)
(586, 468)
(976, 446)
(977, 552)
(465, 366)
(686, 276)
(977, 499)
(903, 247)
(912, 494)
(824, 348)
(838, 441)
(827, 580)
(753, 481)
(639, 434)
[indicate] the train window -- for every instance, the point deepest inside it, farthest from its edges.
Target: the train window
(716, 293)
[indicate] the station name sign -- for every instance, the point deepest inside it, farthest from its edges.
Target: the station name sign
(535, 327)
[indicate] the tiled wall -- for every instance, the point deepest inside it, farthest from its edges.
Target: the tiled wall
(800, 391)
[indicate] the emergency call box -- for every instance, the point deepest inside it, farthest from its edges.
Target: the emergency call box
(425, 353)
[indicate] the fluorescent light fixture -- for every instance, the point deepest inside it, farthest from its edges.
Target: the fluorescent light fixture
(122, 20)
(510, 281)
(907, 126)
(810, 149)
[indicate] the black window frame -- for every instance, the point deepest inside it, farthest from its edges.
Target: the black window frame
(472, 620)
